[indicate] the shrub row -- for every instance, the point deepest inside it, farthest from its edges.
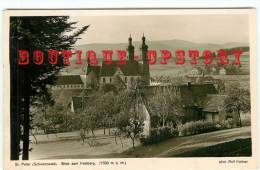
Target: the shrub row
(197, 127)
(158, 135)
(189, 128)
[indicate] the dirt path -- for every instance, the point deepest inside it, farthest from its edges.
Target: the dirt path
(179, 145)
(106, 147)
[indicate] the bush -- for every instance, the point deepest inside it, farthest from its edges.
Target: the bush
(246, 119)
(197, 127)
(158, 135)
(227, 124)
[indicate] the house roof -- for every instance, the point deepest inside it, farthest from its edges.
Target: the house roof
(68, 79)
(131, 68)
(194, 94)
(94, 69)
(191, 94)
(199, 69)
(213, 102)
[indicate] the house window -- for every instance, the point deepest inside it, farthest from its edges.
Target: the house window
(110, 79)
(104, 79)
(125, 79)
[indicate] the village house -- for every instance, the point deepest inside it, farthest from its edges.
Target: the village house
(68, 82)
(196, 72)
(199, 101)
(214, 107)
(222, 71)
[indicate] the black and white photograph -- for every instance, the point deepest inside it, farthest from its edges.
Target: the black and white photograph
(131, 84)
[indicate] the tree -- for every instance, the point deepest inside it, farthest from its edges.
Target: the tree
(131, 127)
(34, 33)
(39, 104)
(129, 122)
(88, 121)
(165, 103)
(108, 108)
(238, 100)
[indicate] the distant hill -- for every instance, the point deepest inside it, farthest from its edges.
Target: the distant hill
(157, 69)
(171, 45)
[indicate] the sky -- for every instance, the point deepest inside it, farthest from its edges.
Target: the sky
(210, 28)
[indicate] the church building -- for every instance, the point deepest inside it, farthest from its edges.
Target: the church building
(127, 74)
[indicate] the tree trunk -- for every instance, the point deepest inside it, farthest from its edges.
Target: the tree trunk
(133, 140)
(14, 115)
(109, 128)
(115, 139)
(121, 142)
(163, 122)
(26, 128)
(240, 121)
(93, 134)
(104, 128)
(14, 101)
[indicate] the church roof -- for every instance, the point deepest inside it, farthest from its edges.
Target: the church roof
(94, 69)
(131, 68)
(68, 79)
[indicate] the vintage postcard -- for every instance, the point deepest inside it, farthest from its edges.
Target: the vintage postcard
(130, 89)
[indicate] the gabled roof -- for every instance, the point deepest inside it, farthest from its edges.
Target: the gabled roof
(131, 68)
(68, 79)
(214, 102)
(195, 94)
(191, 94)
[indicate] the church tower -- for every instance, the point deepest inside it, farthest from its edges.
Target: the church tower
(130, 49)
(146, 70)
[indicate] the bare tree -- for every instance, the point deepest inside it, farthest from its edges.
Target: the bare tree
(131, 127)
(238, 101)
(166, 102)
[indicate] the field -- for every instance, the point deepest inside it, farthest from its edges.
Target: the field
(240, 80)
